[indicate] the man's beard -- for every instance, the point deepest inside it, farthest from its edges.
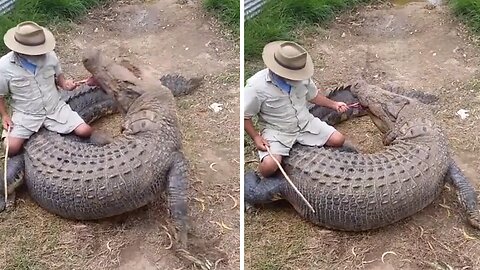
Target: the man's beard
(34, 59)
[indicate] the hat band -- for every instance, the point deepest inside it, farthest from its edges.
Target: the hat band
(30, 42)
(286, 66)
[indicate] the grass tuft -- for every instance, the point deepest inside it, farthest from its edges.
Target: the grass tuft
(279, 19)
(469, 11)
(44, 12)
(227, 10)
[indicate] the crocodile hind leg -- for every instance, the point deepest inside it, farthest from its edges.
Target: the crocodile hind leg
(177, 195)
(262, 191)
(466, 193)
(180, 85)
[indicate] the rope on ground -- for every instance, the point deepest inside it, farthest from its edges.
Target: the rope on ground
(288, 179)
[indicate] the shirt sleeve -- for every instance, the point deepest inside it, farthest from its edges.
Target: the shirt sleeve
(312, 90)
(3, 85)
(251, 102)
(56, 64)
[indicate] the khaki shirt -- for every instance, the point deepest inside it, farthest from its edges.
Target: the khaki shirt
(35, 97)
(281, 116)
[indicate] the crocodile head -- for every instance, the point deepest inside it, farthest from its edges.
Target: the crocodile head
(113, 78)
(386, 109)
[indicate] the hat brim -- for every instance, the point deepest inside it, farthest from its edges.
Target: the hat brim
(12, 44)
(268, 56)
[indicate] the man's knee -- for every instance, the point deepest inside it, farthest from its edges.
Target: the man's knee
(336, 139)
(83, 130)
(268, 166)
(14, 145)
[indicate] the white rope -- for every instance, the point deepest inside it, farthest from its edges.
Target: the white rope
(288, 179)
(5, 184)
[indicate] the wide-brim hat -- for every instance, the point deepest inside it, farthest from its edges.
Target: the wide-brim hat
(29, 38)
(288, 60)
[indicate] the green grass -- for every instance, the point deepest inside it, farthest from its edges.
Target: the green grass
(44, 12)
(228, 11)
(469, 11)
(280, 19)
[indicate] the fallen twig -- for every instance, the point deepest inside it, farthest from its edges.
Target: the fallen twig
(234, 201)
(211, 167)
(388, 252)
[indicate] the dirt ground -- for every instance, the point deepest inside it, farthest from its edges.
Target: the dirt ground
(167, 36)
(417, 47)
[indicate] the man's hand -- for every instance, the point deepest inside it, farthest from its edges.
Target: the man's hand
(260, 143)
(90, 81)
(322, 100)
(7, 122)
(69, 85)
(340, 107)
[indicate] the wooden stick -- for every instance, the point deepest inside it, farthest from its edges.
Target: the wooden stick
(288, 179)
(5, 184)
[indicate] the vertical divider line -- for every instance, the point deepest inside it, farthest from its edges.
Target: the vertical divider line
(242, 133)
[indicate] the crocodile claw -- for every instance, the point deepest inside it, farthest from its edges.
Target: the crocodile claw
(3, 205)
(9, 205)
(474, 219)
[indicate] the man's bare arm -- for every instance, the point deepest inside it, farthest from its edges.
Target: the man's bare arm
(259, 141)
(6, 120)
(322, 100)
(65, 84)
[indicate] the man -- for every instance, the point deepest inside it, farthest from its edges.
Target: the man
(31, 73)
(279, 95)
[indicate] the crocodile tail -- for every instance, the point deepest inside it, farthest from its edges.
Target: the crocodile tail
(466, 193)
(420, 96)
(180, 85)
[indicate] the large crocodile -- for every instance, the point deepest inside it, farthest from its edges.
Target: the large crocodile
(356, 191)
(82, 180)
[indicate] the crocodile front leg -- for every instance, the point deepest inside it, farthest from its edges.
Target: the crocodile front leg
(15, 173)
(262, 191)
(466, 193)
(177, 195)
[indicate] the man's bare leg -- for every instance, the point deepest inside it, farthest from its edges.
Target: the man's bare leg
(268, 166)
(336, 139)
(83, 130)
(14, 145)
(96, 137)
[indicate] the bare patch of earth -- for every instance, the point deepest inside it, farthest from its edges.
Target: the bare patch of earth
(416, 47)
(163, 37)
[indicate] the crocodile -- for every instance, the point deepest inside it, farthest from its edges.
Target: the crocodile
(354, 191)
(82, 180)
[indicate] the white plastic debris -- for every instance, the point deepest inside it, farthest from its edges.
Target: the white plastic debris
(463, 113)
(216, 107)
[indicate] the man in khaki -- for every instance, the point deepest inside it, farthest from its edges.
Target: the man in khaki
(31, 73)
(279, 95)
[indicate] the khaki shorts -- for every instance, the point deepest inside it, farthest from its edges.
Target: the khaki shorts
(73, 121)
(305, 138)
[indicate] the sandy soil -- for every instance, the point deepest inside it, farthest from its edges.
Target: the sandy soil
(164, 37)
(417, 47)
